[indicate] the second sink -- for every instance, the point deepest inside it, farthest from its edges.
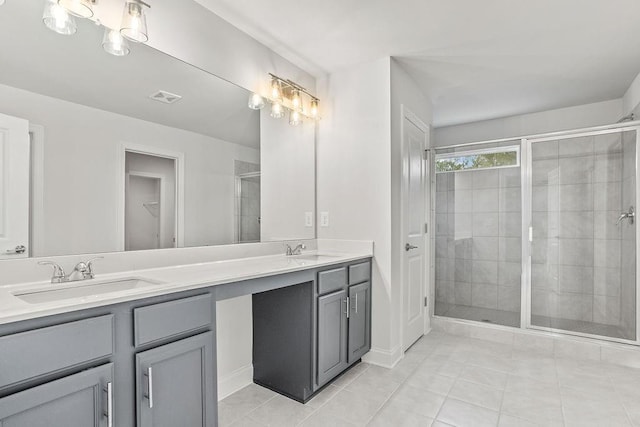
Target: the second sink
(82, 289)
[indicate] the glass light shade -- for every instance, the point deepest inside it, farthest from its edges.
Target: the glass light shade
(296, 101)
(114, 43)
(134, 22)
(276, 92)
(277, 110)
(313, 110)
(57, 19)
(79, 8)
(295, 118)
(256, 102)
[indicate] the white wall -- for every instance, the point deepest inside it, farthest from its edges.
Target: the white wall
(600, 113)
(287, 160)
(354, 174)
(631, 99)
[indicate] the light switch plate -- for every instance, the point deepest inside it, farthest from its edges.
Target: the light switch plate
(324, 219)
(308, 219)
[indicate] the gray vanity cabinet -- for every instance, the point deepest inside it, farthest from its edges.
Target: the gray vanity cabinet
(359, 321)
(175, 384)
(332, 335)
(80, 400)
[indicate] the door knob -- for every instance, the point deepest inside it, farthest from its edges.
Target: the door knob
(408, 247)
(20, 249)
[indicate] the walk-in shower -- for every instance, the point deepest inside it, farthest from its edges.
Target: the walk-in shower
(539, 233)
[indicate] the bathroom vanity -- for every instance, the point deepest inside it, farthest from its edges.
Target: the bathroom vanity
(147, 357)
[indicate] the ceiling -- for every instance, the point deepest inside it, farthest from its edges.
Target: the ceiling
(475, 60)
(76, 69)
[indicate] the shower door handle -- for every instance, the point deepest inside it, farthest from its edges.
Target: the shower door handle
(628, 215)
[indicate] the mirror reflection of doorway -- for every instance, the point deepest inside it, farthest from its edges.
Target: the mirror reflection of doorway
(150, 202)
(248, 207)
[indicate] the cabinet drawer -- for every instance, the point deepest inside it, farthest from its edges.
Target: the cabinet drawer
(332, 280)
(41, 351)
(159, 321)
(359, 273)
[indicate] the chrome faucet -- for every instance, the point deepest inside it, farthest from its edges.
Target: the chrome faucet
(295, 251)
(82, 271)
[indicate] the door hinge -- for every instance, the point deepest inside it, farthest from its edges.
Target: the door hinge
(425, 154)
(426, 228)
(426, 302)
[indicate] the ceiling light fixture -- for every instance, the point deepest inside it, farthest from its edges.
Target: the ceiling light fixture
(134, 22)
(57, 19)
(79, 8)
(114, 43)
(287, 95)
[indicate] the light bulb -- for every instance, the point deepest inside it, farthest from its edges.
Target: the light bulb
(57, 19)
(295, 118)
(276, 93)
(79, 8)
(277, 110)
(134, 22)
(256, 102)
(114, 43)
(313, 111)
(296, 101)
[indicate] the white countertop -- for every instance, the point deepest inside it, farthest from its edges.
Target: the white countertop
(171, 279)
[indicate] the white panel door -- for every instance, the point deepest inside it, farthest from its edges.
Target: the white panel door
(414, 246)
(14, 187)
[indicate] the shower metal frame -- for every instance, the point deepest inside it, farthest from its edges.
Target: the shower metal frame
(526, 207)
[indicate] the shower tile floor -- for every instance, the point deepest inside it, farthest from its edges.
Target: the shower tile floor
(512, 318)
(447, 380)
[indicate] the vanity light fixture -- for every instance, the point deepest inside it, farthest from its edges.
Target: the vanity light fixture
(79, 8)
(256, 102)
(287, 95)
(114, 43)
(57, 19)
(59, 16)
(134, 22)
(277, 110)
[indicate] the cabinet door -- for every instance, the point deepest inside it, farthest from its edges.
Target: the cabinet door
(80, 400)
(175, 384)
(332, 335)
(359, 321)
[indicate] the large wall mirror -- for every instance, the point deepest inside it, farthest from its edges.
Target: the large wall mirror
(100, 153)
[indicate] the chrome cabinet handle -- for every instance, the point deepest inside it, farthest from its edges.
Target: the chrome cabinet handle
(356, 303)
(347, 307)
(20, 249)
(149, 395)
(408, 247)
(109, 404)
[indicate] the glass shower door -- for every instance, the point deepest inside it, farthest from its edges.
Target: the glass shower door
(582, 260)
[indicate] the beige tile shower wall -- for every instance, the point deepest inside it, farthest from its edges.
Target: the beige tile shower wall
(576, 251)
(478, 245)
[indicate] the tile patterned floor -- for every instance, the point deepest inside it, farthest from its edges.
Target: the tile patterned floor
(447, 380)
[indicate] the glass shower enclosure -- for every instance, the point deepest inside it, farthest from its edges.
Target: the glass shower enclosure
(540, 233)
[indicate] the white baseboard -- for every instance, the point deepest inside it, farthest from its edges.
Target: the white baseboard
(382, 357)
(235, 381)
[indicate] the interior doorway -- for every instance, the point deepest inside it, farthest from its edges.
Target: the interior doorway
(150, 202)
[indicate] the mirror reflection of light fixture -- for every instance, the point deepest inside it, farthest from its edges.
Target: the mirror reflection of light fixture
(79, 8)
(295, 118)
(56, 18)
(256, 102)
(134, 21)
(114, 43)
(277, 110)
(287, 95)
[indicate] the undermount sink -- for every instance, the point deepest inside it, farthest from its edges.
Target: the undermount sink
(316, 257)
(57, 292)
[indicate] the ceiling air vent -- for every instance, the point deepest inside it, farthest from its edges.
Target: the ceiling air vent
(165, 97)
